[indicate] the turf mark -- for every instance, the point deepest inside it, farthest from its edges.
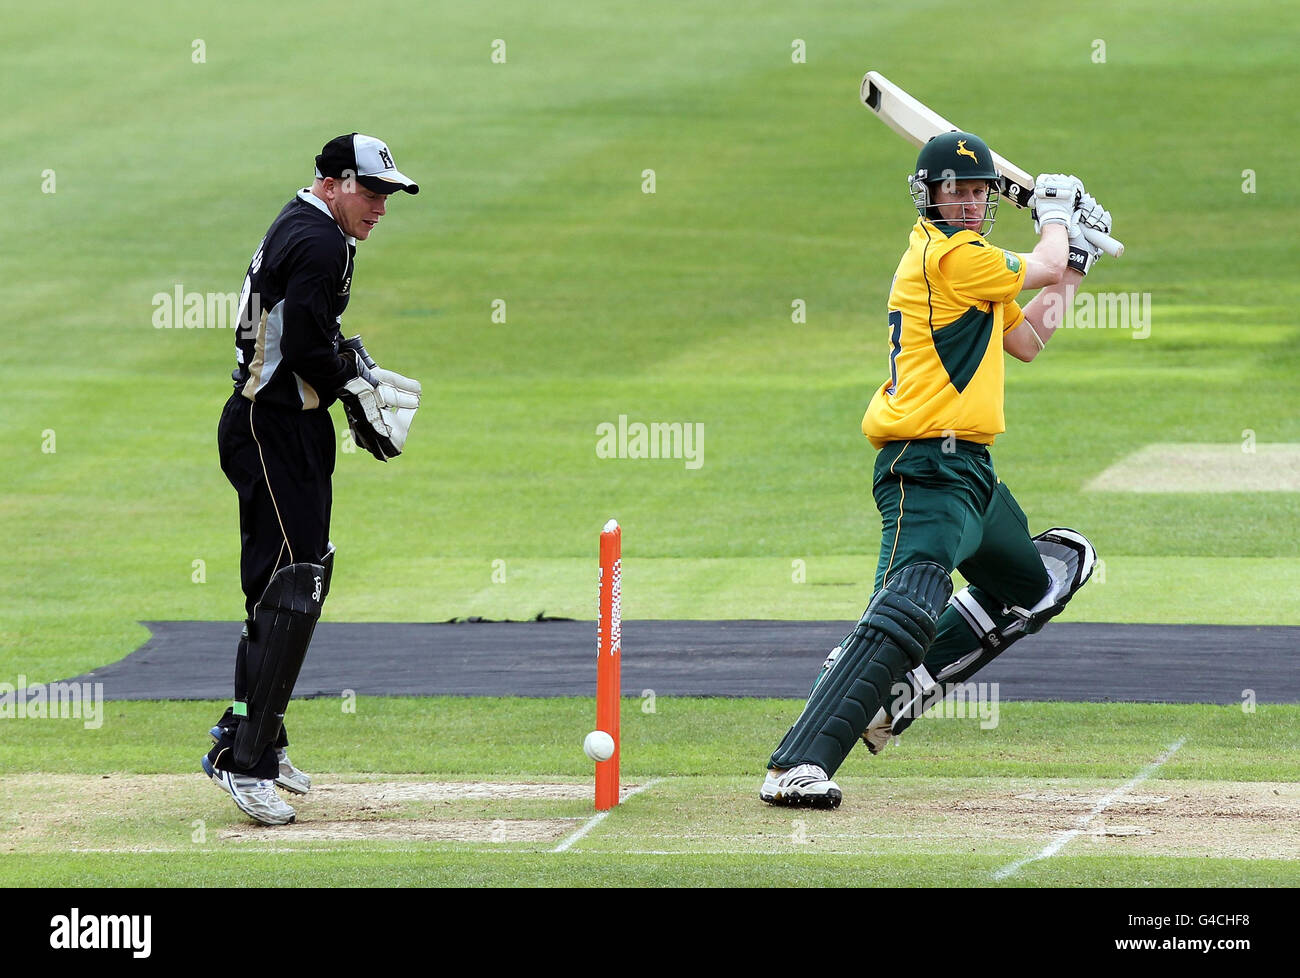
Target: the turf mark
(1055, 846)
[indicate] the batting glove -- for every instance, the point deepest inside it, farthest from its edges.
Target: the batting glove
(1087, 214)
(1055, 195)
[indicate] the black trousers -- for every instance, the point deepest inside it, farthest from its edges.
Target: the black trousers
(280, 462)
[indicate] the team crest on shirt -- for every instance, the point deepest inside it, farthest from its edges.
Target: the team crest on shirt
(1013, 261)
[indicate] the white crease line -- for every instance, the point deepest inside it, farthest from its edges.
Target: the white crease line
(1055, 846)
(601, 816)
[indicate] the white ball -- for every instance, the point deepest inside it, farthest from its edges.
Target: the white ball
(598, 745)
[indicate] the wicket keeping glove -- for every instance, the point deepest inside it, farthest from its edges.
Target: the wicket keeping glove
(379, 405)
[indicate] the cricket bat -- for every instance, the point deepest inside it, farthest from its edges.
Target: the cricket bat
(918, 123)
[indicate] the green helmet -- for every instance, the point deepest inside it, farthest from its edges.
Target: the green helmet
(949, 157)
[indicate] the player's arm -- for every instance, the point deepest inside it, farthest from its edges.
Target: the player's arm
(308, 345)
(1044, 313)
(1055, 195)
(308, 325)
(1041, 318)
(1046, 263)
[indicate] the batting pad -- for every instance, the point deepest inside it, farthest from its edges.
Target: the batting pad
(891, 638)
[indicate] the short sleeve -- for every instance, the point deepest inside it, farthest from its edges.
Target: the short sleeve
(980, 271)
(1012, 316)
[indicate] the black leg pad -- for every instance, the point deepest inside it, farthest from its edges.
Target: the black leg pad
(327, 564)
(282, 625)
(1069, 559)
(891, 638)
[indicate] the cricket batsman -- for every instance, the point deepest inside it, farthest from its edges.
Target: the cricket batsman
(277, 442)
(952, 312)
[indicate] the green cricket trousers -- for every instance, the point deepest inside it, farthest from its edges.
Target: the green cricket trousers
(940, 500)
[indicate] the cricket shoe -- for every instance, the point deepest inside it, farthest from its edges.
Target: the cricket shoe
(805, 784)
(290, 778)
(256, 799)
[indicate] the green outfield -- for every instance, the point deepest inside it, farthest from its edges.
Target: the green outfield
(147, 149)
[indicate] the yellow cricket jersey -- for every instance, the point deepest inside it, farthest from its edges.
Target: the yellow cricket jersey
(952, 299)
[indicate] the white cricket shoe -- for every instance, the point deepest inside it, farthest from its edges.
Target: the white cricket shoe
(256, 799)
(805, 784)
(290, 778)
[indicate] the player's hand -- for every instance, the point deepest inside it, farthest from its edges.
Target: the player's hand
(400, 397)
(1091, 214)
(370, 430)
(1087, 214)
(379, 403)
(1055, 195)
(394, 390)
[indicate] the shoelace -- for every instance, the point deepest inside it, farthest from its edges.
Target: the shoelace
(803, 779)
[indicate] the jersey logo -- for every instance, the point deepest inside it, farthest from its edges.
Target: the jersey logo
(256, 263)
(963, 151)
(347, 284)
(1013, 261)
(388, 160)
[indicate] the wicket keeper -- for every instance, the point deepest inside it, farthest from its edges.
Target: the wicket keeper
(277, 442)
(952, 312)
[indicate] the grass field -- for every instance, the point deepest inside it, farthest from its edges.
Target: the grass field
(148, 148)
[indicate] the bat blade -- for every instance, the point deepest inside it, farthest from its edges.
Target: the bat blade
(913, 120)
(918, 124)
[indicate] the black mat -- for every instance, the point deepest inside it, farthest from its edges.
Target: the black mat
(1067, 661)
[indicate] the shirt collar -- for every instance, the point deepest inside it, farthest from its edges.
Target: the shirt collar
(948, 229)
(306, 195)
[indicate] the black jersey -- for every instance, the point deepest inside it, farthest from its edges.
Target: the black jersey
(297, 286)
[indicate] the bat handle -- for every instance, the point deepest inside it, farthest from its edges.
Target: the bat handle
(1105, 242)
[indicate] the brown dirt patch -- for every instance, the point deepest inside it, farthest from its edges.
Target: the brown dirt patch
(409, 830)
(1172, 467)
(395, 793)
(1253, 820)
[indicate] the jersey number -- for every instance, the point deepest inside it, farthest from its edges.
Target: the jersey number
(895, 345)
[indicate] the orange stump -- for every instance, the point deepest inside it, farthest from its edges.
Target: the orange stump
(609, 645)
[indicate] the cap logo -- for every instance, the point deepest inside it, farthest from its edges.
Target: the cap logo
(963, 151)
(388, 160)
